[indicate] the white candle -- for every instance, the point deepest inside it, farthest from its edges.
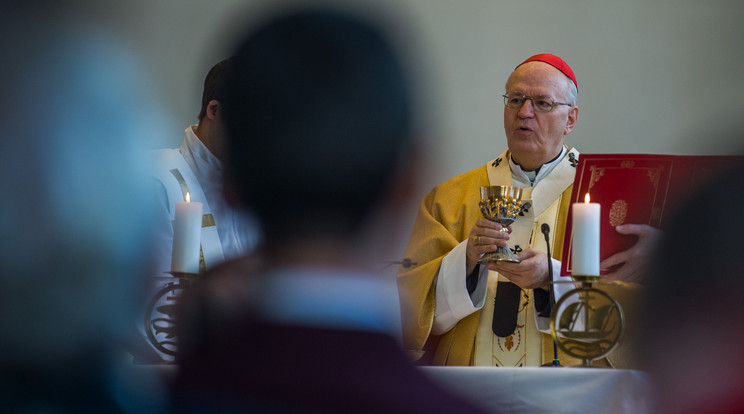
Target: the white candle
(186, 236)
(585, 238)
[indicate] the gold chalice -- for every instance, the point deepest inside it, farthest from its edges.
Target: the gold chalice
(501, 204)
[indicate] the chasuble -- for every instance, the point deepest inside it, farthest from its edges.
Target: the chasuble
(437, 245)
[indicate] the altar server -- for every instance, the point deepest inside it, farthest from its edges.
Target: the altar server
(196, 167)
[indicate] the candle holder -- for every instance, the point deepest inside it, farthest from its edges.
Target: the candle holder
(501, 204)
(160, 316)
(587, 323)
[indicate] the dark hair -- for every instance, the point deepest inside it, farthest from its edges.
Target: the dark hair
(317, 117)
(214, 85)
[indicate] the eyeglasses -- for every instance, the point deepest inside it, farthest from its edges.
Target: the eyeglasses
(539, 103)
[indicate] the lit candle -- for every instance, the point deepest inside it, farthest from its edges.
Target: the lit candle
(186, 236)
(585, 238)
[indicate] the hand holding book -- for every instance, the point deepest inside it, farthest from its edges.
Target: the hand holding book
(639, 192)
(630, 265)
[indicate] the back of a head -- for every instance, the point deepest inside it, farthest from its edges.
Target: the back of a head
(318, 120)
(690, 336)
(214, 85)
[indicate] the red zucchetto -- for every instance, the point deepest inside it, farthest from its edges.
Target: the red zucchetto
(554, 61)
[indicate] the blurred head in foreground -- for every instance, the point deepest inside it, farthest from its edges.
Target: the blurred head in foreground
(319, 131)
(319, 124)
(74, 218)
(692, 337)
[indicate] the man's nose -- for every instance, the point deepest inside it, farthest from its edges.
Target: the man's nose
(526, 111)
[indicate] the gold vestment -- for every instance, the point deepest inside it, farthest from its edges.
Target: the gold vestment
(445, 217)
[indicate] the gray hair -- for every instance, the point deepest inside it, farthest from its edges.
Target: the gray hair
(571, 91)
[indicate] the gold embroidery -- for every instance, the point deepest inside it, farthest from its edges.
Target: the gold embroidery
(525, 302)
(181, 182)
(655, 214)
(653, 176)
(627, 164)
(596, 174)
(207, 220)
(508, 342)
(618, 212)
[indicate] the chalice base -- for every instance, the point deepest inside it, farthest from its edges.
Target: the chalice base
(502, 254)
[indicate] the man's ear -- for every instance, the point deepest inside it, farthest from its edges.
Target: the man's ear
(573, 116)
(214, 109)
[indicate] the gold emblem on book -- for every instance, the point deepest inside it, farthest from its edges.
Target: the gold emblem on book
(597, 173)
(618, 212)
(654, 175)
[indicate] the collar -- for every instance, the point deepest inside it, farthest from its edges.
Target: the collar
(204, 163)
(338, 298)
(531, 178)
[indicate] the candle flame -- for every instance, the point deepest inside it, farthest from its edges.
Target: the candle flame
(586, 198)
(188, 197)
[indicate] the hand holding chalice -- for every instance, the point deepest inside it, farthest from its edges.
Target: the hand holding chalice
(501, 204)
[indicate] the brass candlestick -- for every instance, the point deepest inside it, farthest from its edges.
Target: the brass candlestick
(160, 317)
(587, 323)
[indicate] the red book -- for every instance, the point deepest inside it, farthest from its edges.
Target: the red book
(637, 189)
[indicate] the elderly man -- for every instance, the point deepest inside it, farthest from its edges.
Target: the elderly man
(466, 313)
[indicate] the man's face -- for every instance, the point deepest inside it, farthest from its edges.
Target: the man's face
(535, 138)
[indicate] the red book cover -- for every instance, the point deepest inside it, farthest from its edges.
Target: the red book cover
(637, 189)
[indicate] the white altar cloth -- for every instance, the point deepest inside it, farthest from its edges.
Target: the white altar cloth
(549, 390)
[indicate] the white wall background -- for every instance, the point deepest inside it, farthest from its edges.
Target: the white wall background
(656, 76)
(662, 76)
